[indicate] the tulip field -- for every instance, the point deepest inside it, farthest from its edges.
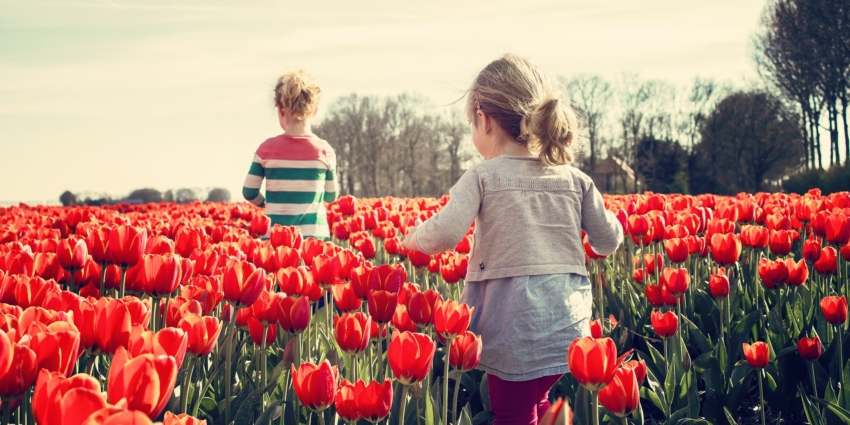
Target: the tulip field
(715, 310)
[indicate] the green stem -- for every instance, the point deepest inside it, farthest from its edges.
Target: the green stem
(381, 371)
(102, 279)
(454, 397)
(228, 359)
(263, 376)
(446, 383)
(90, 365)
(625, 421)
(123, 279)
(814, 381)
(402, 404)
(841, 355)
(185, 386)
(71, 283)
(761, 399)
(155, 313)
(6, 404)
(321, 417)
(595, 395)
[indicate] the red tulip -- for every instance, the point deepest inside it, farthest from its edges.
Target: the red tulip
(452, 319)
(202, 333)
(366, 247)
(838, 229)
(773, 274)
(181, 419)
(677, 280)
(345, 298)
(126, 246)
(654, 295)
(178, 308)
(315, 385)
(665, 324)
(288, 236)
(592, 362)
(382, 305)
(72, 258)
(639, 367)
(834, 309)
(163, 274)
(595, 328)
(60, 401)
(828, 262)
(290, 281)
(260, 226)
(812, 248)
(798, 272)
(421, 307)
(465, 351)
(97, 243)
(259, 332)
(781, 241)
(387, 277)
(677, 250)
(639, 225)
(243, 283)
(845, 252)
(718, 284)
(56, 347)
(167, 342)
(725, 248)
(112, 415)
(374, 400)
(809, 348)
(113, 324)
(146, 381)
(294, 314)
(345, 402)
(351, 332)
(401, 319)
(622, 395)
(410, 356)
(754, 237)
(20, 374)
(757, 355)
(559, 413)
(326, 269)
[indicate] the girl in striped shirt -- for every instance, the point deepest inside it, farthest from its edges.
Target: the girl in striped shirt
(298, 166)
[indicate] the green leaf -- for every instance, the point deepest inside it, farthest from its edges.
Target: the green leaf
(657, 360)
(702, 342)
(464, 418)
(729, 416)
(273, 411)
(646, 394)
(483, 417)
(247, 389)
(842, 414)
(245, 413)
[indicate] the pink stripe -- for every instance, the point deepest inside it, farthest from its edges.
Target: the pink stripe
(295, 148)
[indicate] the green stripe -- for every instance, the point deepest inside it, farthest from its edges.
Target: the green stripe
(296, 173)
(256, 169)
(330, 196)
(274, 197)
(250, 193)
(330, 175)
(292, 220)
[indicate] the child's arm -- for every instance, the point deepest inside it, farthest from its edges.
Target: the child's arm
(604, 232)
(331, 186)
(253, 181)
(443, 231)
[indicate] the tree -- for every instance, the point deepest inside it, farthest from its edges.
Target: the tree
(168, 196)
(662, 164)
(185, 196)
(145, 196)
(67, 198)
(591, 95)
(218, 195)
(750, 137)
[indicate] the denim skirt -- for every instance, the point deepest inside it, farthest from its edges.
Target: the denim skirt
(527, 323)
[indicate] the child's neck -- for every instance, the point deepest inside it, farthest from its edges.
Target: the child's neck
(299, 128)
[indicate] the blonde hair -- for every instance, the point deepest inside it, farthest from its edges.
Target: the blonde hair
(527, 105)
(297, 93)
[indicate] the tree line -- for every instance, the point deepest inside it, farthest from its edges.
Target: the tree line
(147, 195)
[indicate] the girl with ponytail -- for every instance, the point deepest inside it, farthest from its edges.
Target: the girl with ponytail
(527, 278)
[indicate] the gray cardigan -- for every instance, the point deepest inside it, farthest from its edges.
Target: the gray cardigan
(529, 219)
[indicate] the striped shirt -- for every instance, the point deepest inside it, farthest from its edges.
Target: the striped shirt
(300, 174)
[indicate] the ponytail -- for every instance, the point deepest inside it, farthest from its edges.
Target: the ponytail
(552, 125)
(528, 106)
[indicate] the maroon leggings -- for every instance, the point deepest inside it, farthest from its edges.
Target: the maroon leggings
(519, 402)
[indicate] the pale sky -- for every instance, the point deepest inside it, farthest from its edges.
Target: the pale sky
(116, 95)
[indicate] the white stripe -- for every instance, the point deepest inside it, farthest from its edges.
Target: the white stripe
(258, 200)
(257, 159)
(286, 163)
(294, 209)
(253, 182)
(330, 186)
(314, 230)
(295, 185)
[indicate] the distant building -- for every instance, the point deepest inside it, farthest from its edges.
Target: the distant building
(612, 175)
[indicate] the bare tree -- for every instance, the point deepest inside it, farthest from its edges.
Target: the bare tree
(591, 95)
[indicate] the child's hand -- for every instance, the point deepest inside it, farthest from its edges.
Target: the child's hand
(408, 242)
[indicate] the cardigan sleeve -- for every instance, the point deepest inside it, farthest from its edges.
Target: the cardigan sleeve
(444, 230)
